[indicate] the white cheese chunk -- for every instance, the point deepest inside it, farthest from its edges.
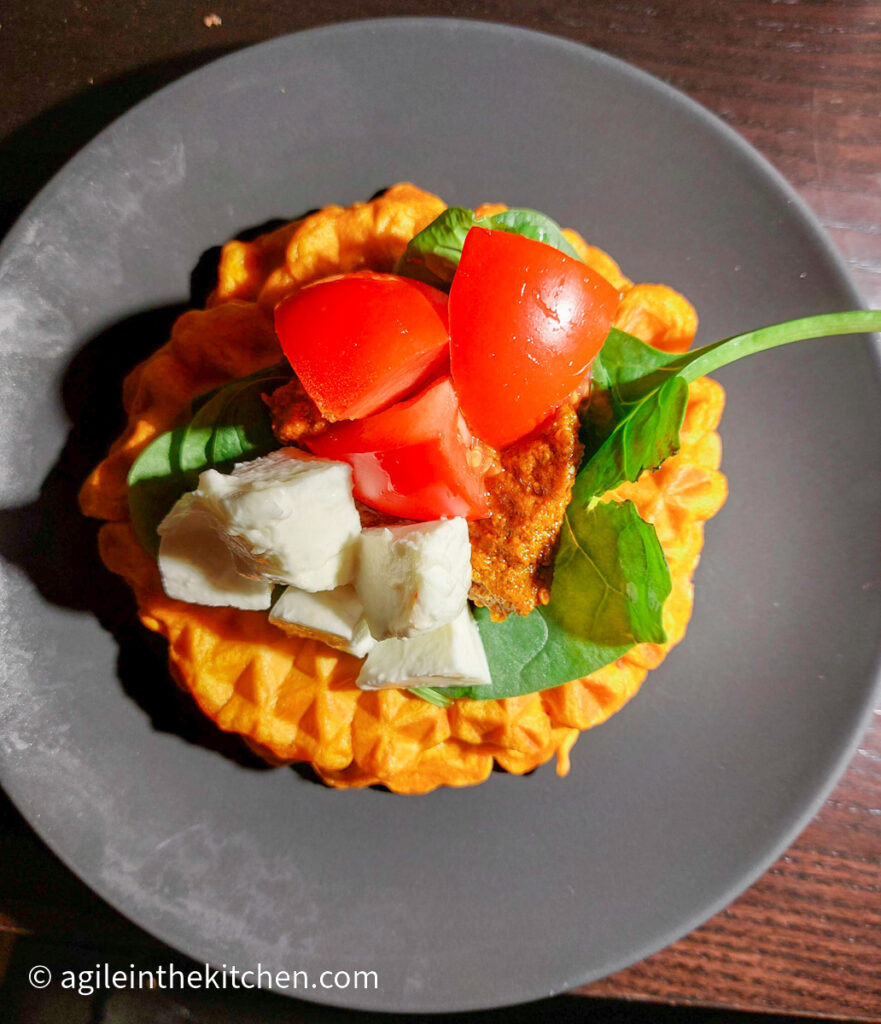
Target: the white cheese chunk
(289, 517)
(197, 566)
(336, 617)
(450, 656)
(413, 579)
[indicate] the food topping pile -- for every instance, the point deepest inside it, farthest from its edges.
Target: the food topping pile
(421, 489)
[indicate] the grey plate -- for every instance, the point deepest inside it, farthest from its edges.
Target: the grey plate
(523, 886)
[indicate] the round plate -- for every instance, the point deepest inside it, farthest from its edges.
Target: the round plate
(520, 887)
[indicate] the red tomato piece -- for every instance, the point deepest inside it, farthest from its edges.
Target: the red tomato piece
(416, 459)
(526, 321)
(359, 342)
(439, 300)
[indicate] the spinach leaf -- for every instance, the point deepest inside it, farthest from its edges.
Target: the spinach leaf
(433, 255)
(648, 391)
(532, 224)
(155, 482)
(610, 584)
(232, 426)
(280, 369)
(610, 577)
(232, 423)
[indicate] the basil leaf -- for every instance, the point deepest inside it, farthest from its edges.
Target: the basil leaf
(647, 391)
(281, 369)
(623, 359)
(532, 224)
(234, 422)
(610, 583)
(433, 255)
(232, 426)
(155, 482)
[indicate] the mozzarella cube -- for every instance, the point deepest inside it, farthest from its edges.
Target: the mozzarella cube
(336, 617)
(450, 656)
(197, 566)
(289, 517)
(413, 579)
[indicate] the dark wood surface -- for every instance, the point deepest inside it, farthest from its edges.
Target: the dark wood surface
(802, 82)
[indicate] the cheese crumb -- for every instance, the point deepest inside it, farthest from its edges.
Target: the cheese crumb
(289, 517)
(335, 617)
(450, 656)
(415, 578)
(196, 565)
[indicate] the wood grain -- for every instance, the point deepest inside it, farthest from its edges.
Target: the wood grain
(801, 81)
(807, 937)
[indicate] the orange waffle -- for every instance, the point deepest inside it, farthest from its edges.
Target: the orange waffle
(294, 699)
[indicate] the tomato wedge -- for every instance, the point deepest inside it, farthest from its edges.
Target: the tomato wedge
(359, 342)
(416, 459)
(526, 321)
(440, 301)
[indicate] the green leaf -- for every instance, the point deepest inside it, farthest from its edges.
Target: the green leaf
(532, 224)
(433, 255)
(155, 482)
(623, 359)
(281, 369)
(610, 577)
(234, 422)
(641, 394)
(646, 433)
(610, 584)
(233, 425)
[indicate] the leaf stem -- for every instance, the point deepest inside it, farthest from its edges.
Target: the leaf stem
(428, 693)
(712, 357)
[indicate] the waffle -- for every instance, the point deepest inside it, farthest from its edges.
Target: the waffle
(295, 699)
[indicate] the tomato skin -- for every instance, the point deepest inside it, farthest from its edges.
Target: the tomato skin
(416, 459)
(360, 341)
(526, 321)
(440, 301)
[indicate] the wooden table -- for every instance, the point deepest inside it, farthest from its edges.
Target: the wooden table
(802, 82)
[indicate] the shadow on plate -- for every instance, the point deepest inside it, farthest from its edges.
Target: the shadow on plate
(49, 539)
(57, 546)
(32, 154)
